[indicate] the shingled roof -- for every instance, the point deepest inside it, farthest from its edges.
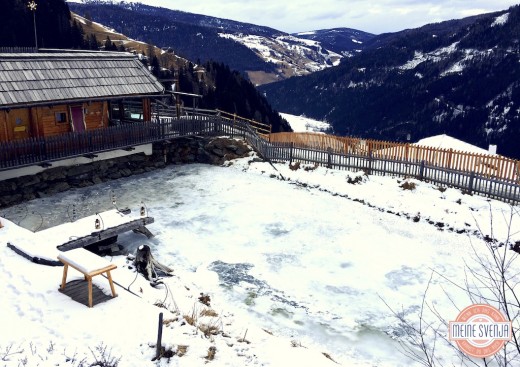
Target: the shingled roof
(36, 78)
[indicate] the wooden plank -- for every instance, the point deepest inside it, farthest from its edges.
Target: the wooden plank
(78, 291)
(105, 234)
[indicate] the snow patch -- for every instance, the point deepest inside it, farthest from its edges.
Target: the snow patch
(501, 20)
(303, 124)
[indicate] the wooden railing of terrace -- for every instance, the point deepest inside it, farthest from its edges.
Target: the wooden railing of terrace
(260, 128)
(44, 150)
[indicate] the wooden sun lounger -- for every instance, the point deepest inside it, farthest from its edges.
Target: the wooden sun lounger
(89, 264)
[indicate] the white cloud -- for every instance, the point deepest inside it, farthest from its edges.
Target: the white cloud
(305, 15)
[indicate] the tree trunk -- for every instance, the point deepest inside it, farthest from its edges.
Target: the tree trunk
(146, 264)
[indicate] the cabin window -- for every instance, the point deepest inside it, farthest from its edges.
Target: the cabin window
(126, 112)
(61, 117)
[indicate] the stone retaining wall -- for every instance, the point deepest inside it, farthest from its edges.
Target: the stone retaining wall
(179, 151)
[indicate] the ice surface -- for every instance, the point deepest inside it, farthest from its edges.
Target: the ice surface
(301, 255)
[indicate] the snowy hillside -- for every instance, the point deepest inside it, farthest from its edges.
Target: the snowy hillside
(293, 56)
(298, 264)
(303, 124)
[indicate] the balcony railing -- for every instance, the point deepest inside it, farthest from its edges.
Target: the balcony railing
(44, 150)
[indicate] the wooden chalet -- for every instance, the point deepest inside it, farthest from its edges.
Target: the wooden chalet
(57, 92)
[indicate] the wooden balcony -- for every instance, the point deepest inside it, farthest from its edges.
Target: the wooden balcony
(44, 150)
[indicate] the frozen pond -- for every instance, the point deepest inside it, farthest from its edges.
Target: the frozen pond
(296, 261)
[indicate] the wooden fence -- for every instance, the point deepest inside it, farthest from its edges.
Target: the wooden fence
(377, 158)
(373, 164)
(487, 165)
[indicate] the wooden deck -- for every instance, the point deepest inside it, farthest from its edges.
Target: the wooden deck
(137, 225)
(78, 291)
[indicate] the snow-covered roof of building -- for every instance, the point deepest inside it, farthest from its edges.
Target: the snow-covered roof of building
(35, 78)
(444, 141)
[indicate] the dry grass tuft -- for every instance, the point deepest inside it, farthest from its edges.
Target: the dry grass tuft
(407, 185)
(208, 312)
(211, 353)
(169, 321)
(295, 166)
(190, 320)
(243, 339)
(297, 344)
(311, 168)
(441, 188)
(193, 318)
(209, 329)
(329, 357)
(204, 299)
(182, 350)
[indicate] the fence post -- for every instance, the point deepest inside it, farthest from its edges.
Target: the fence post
(329, 157)
(291, 153)
(421, 171)
(159, 337)
(370, 162)
(471, 180)
(90, 146)
(233, 127)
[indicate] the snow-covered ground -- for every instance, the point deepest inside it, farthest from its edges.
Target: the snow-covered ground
(305, 124)
(299, 263)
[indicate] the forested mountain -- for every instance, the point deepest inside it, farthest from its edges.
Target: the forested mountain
(163, 28)
(54, 25)
(227, 90)
(220, 87)
(344, 41)
(263, 54)
(459, 77)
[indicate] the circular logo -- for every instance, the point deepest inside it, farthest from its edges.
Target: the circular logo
(480, 331)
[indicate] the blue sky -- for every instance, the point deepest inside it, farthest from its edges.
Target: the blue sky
(305, 15)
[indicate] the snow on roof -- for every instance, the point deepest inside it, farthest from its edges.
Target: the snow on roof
(447, 142)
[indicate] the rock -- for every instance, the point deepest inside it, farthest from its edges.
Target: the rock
(218, 152)
(29, 180)
(80, 170)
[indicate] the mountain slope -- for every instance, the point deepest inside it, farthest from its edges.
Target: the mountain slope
(344, 41)
(193, 42)
(265, 54)
(459, 77)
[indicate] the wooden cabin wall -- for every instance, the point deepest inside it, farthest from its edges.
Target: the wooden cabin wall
(53, 120)
(3, 126)
(18, 124)
(96, 115)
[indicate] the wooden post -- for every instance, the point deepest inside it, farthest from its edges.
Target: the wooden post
(233, 128)
(159, 337)
(421, 171)
(471, 179)
(291, 153)
(369, 162)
